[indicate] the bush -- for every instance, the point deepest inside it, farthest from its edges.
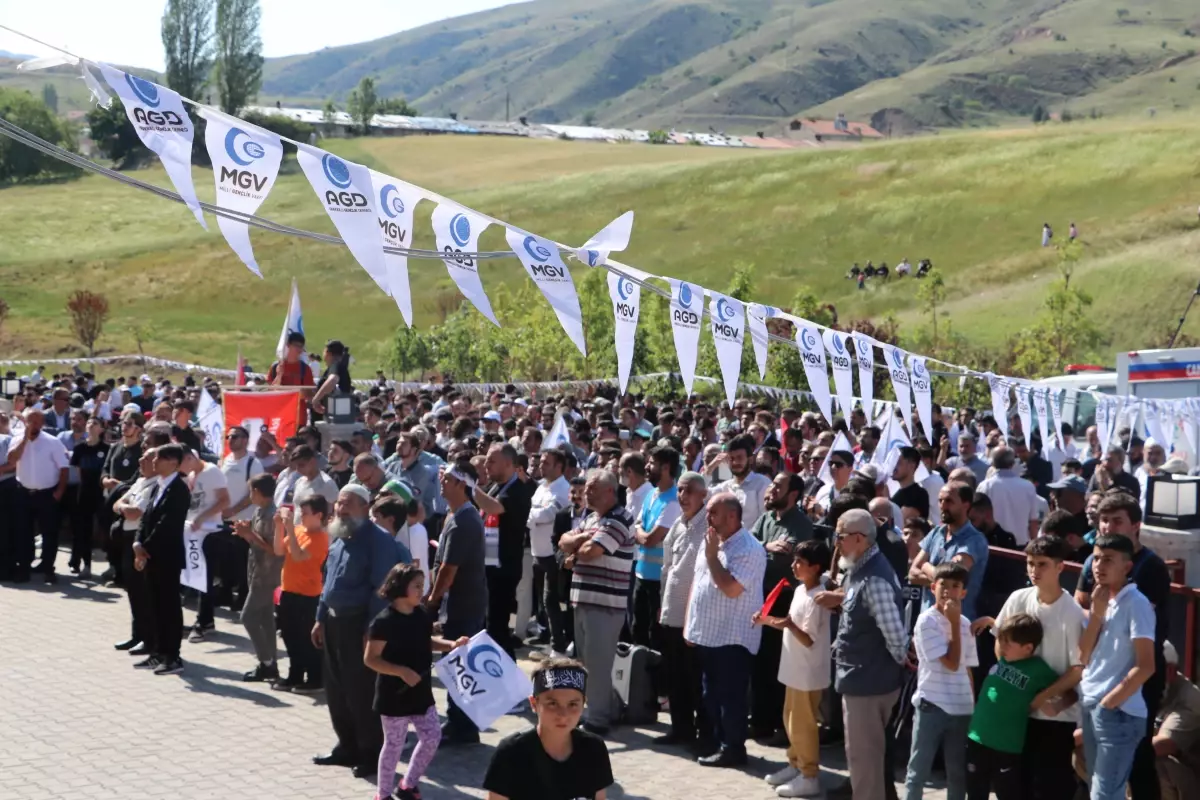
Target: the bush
(714, 80)
(20, 163)
(659, 137)
(114, 135)
(281, 125)
(1018, 82)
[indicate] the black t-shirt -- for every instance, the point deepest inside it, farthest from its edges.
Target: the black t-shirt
(407, 637)
(187, 437)
(517, 499)
(913, 496)
(90, 460)
(521, 769)
(341, 477)
(122, 461)
(461, 544)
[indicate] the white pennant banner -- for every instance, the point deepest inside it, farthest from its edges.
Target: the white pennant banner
(893, 357)
(1102, 412)
(1154, 424)
(545, 266)
(1054, 400)
(396, 201)
(864, 351)
(163, 125)
(1039, 405)
(812, 356)
(1167, 416)
(687, 307)
(245, 162)
(728, 319)
(1188, 412)
(923, 394)
(345, 189)
(999, 401)
(756, 321)
(1024, 412)
(457, 231)
(838, 347)
(627, 301)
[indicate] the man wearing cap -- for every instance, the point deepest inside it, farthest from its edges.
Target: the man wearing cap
(360, 556)
(1070, 494)
(42, 466)
(491, 422)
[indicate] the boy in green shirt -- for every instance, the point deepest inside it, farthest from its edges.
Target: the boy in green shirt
(997, 733)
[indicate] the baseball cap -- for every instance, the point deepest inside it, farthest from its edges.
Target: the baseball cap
(400, 489)
(1072, 482)
(492, 416)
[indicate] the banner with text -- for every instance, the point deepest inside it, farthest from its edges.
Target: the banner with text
(728, 318)
(396, 201)
(546, 269)
(627, 300)
(457, 232)
(687, 306)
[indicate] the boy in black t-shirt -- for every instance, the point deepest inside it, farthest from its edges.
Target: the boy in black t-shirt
(556, 760)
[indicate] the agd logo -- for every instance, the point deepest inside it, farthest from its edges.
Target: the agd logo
(243, 151)
(147, 94)
(393, 207)
(460, 232)
(899, 373)
(540, 255)
(839, 357)
(684, 315)
(337, 173)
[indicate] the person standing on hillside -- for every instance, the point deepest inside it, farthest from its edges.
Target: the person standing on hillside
(1073, 232)
(1047, 234)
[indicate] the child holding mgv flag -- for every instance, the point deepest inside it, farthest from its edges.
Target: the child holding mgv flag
(556, 759)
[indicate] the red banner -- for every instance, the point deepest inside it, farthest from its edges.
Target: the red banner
(277, 412)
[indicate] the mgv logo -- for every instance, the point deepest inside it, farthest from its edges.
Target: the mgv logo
(624, 310)
(728, 331)
(392, 231)
(243, 179)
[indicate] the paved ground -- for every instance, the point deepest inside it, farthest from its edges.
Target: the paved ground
(76, 719)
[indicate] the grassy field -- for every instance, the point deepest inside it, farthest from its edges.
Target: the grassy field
(974, 203)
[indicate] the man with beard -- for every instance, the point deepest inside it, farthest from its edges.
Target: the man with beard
(1155, 457)
(340, 456)
(968, 457)
(747, 486)
(868, 440)
(505, 508)
(42, 465)
(910, 494)
(360, 556)
(659, 511)
(779, 530)
(956, 539)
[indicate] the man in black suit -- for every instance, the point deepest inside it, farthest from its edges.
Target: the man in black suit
(158, 551)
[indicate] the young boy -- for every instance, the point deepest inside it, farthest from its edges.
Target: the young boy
(1049, 737)
(556, 759)
(944, 698)
(804, 670)
(997, 734)
(1117, 650)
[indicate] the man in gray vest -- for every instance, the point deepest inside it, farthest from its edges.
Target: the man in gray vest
(870, 650)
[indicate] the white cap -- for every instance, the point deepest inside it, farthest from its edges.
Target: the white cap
(492, 416)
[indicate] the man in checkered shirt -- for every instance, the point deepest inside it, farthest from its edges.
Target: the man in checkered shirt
(726, 591)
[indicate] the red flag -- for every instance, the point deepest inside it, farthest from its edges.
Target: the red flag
(241, 369)
(277, 412)
(773, 596)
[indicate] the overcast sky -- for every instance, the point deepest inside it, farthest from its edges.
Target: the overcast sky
(127, 32)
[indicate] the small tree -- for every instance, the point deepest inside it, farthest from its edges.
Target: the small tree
(50, 97)
(363, 103)
(141, 331)
(398, 106)
(932, 296)
(89, 312)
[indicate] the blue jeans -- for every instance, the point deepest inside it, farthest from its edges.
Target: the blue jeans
(933, 727)
(725, 675)
(1110, 739)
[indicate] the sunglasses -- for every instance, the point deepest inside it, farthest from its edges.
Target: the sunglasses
(837, 465)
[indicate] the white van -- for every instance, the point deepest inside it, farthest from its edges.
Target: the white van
(1079, 408)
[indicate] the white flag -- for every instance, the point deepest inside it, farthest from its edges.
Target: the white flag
(210, 418)
(1054, 400)
(1154, 424)
(195, 566)
(1024, 412)
(457, 231)
(812, 356)
(864, 350)
(728, 318)
(756, 321)
(840, 442)
(558, 433)
(1039, 405)
(163, 125)
(687, 307)
(894, 358)
(613, 238)
(245, 162)
(396, 202)
(627, 301)
(1102, 412)
(293, 322)
(923, 394)
(482, 680)
(1167, 415)
(345, 189)
(893, 439)
(838, 346)
(999, 390)
(545, 266)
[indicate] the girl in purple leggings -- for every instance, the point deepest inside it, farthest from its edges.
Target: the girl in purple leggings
(400, 648)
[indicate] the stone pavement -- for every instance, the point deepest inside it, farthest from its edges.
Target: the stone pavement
(76, 719)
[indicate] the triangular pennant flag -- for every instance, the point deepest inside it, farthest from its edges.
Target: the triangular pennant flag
(838, 347)
(894, 358)
(812, 357)
(756, 321)
(545, 266)
(923, 393)
(687, 309)
(728, 319)
(396, 201)
(1039, 405)
(1054, 401)
(558, 434)
(457, 231)
(613, 238)
(840, 442)
(1024, 412)
(292, 323)
(627, 302)
(999, 389)
(864, 351)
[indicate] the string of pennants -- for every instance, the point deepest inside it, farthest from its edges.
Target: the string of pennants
(373, 213)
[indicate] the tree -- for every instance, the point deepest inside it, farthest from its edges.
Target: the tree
(1039, 114)
(363, 103)
(284, 126)
(50, 97)
(142, 332)
(932, 296)
(329, 110)
(239, 61)
(114, 135)
(187, 34)
(398, 106)
(19, 162)
(3, 312)
(411, 353)
(89, 312)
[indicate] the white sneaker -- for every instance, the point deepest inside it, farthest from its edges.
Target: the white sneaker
(800, 786)
(556, 654)
(783, 776)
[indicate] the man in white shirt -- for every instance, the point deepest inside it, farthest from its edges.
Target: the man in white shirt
(1014, 499)
(210, 498)
(632, 472)
(238, 467)
(932, 484)
(747, 486)
(42, 466)
(550, 497)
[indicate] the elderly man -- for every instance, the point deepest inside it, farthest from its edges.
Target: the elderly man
(1155, 457)
(968, 457)
(726, 591)
(42, 466)
(1014, 499)
(870, 650)
(600, 553)
(368, 473)
(360, 556)
(1111, 474)
(681, 547)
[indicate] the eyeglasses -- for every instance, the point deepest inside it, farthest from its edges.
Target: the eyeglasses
(837, 465)
(842, 536)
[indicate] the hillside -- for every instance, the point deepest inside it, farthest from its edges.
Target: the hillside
(751, 64)
(973, 203)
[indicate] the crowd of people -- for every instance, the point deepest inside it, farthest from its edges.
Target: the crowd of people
(904, 269)
(797, 592)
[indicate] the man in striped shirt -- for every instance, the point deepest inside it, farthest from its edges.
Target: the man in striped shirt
(601, 554)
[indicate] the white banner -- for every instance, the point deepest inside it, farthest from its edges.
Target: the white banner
(245, 162)
(1189, 409)
(687, 309)
(293, 322)
(344, 189)
(1102, 412)
(864, 351)
(1168, 413)
(482, 680)
(1024, 412)
(396, 201)
(627, 301)
(728, 318)
(838, 347)
(999, 401)
(195, 567)
(893, 357)
(756, 322)
(210, 418)
(545, 266)
(1154, 424)
(1039, 406)
(923, 394)
(457, 231)
(812, 356)
(1054, 400)
(163, 125)
(558, 433)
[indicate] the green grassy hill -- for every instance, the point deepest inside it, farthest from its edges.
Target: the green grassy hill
(974, 203)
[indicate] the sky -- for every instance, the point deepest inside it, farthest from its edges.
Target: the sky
(127, 32)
